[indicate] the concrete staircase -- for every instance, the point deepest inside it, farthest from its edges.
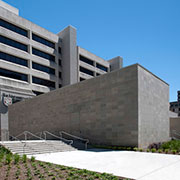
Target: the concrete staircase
(37, 146)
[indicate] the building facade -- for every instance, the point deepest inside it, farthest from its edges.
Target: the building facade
(33, 58)
(175, 106)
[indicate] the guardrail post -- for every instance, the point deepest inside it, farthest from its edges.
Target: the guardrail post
(25, 134)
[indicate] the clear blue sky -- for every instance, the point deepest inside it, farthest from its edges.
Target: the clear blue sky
(141, 31)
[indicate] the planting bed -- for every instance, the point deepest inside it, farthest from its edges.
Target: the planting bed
(15, 167)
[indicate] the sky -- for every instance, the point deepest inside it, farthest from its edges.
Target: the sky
(141, 31)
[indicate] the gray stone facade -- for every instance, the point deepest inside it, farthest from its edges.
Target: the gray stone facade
(97, 109)
(153, 108)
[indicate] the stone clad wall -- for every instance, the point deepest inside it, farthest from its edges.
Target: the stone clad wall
(102, 109)
(107, 110)
(153, 100)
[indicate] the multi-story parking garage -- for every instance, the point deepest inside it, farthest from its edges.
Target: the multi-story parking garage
(34, 61)
(33, 58)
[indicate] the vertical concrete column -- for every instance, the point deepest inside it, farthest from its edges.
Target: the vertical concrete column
(69, 56)
(57, 67)
(30, 61)
(116, 63)
(4, 122)
(95, 67)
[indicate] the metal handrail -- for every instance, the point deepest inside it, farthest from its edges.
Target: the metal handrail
(76, 137)
(58, 137)
(27, 132)
(19, 135)
(21, 142)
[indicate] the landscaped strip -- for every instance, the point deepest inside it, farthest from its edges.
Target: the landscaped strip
(170, 147)
(12, 166)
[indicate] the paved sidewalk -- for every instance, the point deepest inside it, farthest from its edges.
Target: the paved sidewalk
(136, 165)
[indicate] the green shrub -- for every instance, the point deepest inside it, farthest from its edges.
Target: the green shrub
(174, 151)
(140, 150)
(171, 145)
(8, 158)
(166, 151)
(128, 148)
(135, 149)
(147, 150)
(33, 159)
(160, 150)
(24, 158)
(16, 159)
(153, 150)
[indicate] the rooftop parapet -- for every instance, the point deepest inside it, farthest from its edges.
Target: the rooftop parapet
(9, 7)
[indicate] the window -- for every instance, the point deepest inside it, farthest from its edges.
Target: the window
(43, 82)
(86, 60)
(60, 85)
(43, 68)
(60, 75)
(59, 50)
(37, 93)
(82, 79)
(97, 74)
(13, 75)
(60, 64)
(13, 43)
(43, 41)
(13, 59)
(86, 71)
(102, 67)
(43, 54)
(13, 28)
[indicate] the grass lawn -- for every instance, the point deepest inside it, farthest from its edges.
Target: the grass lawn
(14, 167)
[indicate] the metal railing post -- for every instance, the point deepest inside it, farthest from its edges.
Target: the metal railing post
(25, 134)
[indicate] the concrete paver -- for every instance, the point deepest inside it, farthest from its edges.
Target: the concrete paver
(136, 165)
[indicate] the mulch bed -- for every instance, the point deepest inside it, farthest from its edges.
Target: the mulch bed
(38, 170)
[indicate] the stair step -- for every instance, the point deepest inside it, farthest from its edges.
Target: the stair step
(37, 147)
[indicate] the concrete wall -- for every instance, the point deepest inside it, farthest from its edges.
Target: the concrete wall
(9, 7)
(107, 109)
(153, 109)
(69, 56)
(175, 127)
(116, 63)
(15, 93)
(172, 114)
(95, 109)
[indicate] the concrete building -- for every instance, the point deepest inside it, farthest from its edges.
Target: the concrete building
(42, 61)
(34, 61)
(175, 106)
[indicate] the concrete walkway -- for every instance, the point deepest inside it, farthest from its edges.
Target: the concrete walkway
(136, 165)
